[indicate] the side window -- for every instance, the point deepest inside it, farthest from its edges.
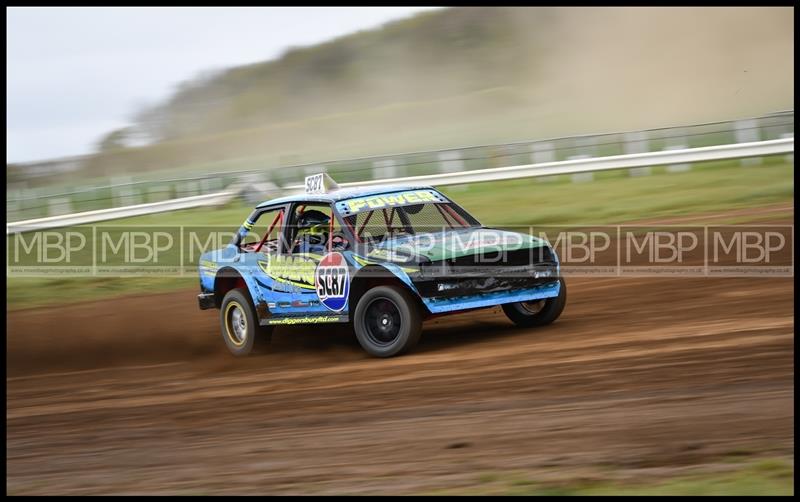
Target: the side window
(310, 229)
(265, 232)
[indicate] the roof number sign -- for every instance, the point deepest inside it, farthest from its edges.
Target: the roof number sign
(320, 183)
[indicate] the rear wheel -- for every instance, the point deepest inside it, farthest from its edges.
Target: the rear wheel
(387, 321)
(239, 323)
(537, 312)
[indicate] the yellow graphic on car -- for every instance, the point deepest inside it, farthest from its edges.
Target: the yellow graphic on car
(297, 270)
(304, 320)
(393, 200)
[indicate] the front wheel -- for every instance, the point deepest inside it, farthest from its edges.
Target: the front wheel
(387, 321)
(240, 328)
(537, 312)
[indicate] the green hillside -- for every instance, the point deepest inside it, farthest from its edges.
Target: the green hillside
(463, 76)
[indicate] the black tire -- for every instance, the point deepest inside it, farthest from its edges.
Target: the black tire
(239, 324)
(387, 321)
(537, 313)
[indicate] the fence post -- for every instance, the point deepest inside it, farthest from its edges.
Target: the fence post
(58, 206)
(126, 195)
(677, 168)
(636, 142)
(542, 152)
(745, 132)
(384, 169)
(450, 161)
(581, 177)
(790, 157)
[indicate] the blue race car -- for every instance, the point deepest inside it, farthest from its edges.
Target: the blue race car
(383, 258)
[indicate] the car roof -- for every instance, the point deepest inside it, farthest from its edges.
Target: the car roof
(342, 194)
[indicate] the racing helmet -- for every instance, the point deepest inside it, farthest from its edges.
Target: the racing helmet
(313, 227)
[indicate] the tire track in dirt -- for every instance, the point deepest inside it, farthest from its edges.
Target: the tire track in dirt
(250, 385)
(647, 377)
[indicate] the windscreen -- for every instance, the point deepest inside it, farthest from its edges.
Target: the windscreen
(376, 225)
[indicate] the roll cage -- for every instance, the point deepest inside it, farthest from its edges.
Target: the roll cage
(393, 218)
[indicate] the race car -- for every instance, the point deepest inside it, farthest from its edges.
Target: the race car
(382, 258)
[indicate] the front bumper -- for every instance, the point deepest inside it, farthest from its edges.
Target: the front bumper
(466, 283)
(441, 305)
(206, 301)
(471, 281)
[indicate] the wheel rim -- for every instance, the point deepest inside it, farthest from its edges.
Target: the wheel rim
(382, 319)
(236, 323)
(532, 308)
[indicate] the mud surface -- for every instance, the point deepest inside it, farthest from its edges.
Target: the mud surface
(639, 378)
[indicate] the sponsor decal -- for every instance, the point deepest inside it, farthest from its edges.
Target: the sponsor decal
(307, 320)
(391, 200)
(297, 270)
(332, 281)
(304, 303)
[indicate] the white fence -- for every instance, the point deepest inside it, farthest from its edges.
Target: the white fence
(33, 197)
(586, 165)
(583, 165)
(114, 213)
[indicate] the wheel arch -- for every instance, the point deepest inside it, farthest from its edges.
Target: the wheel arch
(228, 278)
(374, 275)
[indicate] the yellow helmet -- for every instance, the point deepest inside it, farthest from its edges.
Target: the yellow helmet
(313, 226)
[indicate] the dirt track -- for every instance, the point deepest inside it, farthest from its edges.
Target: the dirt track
(639, 377)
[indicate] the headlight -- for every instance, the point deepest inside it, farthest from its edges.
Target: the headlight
(444, 286)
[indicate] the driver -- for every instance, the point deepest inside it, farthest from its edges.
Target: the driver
(312, 232)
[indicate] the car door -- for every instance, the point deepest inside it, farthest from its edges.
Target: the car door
(263, 254)
(322, 277)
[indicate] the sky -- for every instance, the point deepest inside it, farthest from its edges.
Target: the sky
(76, 73)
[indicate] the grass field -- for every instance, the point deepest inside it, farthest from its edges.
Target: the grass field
(611, 198)
(763, 477)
